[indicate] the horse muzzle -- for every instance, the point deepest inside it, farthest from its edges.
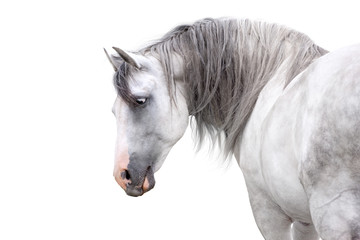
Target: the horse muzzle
(136, 183)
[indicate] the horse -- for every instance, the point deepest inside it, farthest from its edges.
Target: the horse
(285, 108)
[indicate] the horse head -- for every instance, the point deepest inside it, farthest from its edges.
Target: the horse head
(151, 117)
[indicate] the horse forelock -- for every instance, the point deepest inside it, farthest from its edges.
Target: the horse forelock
(227, 62)
(121, 82)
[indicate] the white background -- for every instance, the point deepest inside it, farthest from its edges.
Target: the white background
(57, 132)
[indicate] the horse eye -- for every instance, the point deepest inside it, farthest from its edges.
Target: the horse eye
(141, 101)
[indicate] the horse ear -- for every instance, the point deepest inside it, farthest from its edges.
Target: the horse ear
(128, 57)
(113, 61)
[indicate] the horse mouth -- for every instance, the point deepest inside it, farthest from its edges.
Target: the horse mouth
(147, 184)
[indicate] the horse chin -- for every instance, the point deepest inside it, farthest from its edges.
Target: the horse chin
(134, 192)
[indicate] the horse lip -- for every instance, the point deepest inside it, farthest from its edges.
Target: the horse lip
(149, 181)
(147, 184)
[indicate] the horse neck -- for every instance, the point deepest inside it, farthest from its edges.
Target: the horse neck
(224, 74)
(224, 103)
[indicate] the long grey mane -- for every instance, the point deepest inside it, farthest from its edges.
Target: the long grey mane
(227, 62)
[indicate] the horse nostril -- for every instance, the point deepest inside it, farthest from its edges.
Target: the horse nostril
(125, 175)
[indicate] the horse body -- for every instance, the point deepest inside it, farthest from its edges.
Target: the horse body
(297, 145)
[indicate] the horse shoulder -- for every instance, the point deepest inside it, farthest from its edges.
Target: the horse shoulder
(331, 141)
(330, 149)
(277, 137)
(266, 154)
